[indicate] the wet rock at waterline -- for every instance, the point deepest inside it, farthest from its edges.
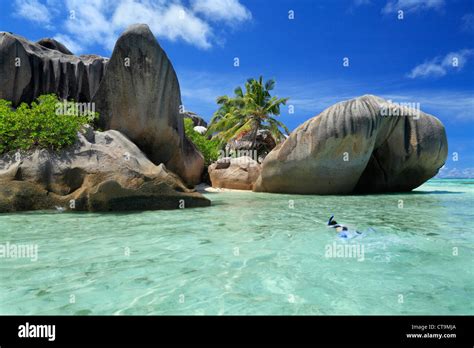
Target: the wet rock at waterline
(103, 171)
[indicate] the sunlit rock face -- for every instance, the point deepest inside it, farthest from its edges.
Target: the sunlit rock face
(238, 173)
(140, 96)
(136, 92)
(102, 171)
(363, 145)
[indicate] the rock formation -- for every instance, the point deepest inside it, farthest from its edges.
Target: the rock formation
(140, 97)
(137, 93)
(103, 171)
(351, 147)
(239, 173)
(264, 143)
(28, 70)
(197, 120)
(53, 44)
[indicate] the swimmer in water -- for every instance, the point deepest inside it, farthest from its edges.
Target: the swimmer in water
(342, 230)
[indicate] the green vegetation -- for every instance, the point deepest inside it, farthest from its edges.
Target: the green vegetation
(47, 123)
(208, 148)
(248, 112)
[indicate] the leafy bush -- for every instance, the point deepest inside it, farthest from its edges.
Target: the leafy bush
(46, 123)
(208, 148)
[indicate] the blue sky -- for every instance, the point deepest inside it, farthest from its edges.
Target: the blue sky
(405, 60)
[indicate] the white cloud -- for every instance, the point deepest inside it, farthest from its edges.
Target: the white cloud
(440, 66)
(412, 5)
(33, 10)
(93, 22)
(172, 21)
(227, 10)
(88, 24)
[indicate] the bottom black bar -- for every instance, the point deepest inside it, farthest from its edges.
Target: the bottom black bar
(329, 330)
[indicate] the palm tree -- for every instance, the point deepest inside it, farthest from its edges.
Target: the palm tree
(248, 112)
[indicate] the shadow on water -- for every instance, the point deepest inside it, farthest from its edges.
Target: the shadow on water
(427, 193)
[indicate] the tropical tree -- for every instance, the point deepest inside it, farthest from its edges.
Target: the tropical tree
(248, 112)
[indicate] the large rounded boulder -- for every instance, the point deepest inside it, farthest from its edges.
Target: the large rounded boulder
(239, 173)
(363, 145)
(140, 97)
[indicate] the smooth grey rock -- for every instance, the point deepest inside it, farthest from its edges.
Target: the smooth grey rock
(28, 70)
(140, 97)
(352, 148)
(54, 45)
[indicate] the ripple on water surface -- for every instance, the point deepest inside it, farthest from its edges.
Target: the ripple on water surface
(250, 253)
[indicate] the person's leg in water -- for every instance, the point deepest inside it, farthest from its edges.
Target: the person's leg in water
(331, 221)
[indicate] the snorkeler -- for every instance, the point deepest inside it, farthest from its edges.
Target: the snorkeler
(342, 230)
(333, 223)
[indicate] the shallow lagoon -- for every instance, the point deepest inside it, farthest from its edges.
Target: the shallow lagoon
(250, 253)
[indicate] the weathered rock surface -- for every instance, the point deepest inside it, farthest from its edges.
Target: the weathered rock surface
(139, 94)
(140, 97)
(28, 70)
(54, 45)
(352, 148)
(239, 173)
(197, 120)
(103, 171)
(264, 143)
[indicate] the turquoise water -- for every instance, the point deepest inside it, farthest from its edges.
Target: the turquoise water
(250, 253)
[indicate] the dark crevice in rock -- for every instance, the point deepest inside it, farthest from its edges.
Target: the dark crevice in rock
(407, 138)
(74, 178)
(374, 169)
(18, 175)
